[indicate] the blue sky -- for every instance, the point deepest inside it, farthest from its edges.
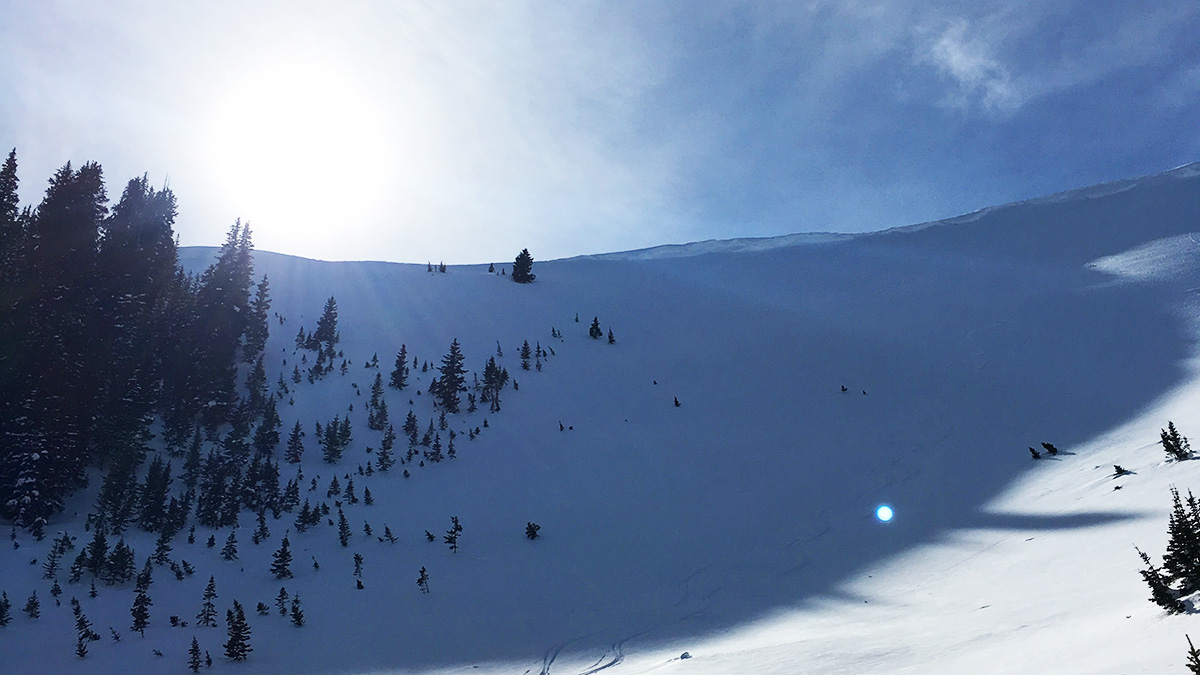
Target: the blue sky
(465, 131)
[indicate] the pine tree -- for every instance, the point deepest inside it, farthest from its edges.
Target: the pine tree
(526, 353)
(385, 458)
(531, 530)
(423, 581)
(237, 648)
(97, 552)
(612, 339)
(281, 566)
(452, 380)
(146, 576)
(343, 528)
(297, 613)
(257, 327)
(229, 551)
(194, 660)
(120, 566)
(266, 435)
(1175, 444)
(5, 610)
(387, 534)
(208, 610)
(33, 608)
(261, 533)
(377, 406)
(368, 498)
(435, 453)
(453, 533)
(162, 549)
(83, 628)
(1193, 662)
(50, 566)
(399, 377)
(358, 564)
(1160, 589)
(594, 331)
(141, 613)
(522, 268)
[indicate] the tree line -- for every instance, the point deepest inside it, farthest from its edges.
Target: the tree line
(101, 330)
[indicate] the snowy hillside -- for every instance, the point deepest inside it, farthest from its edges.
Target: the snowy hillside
(816, 379)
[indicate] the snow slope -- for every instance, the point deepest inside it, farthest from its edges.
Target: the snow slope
(738, 526)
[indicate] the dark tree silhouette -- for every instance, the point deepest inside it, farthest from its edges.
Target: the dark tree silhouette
(523, 268)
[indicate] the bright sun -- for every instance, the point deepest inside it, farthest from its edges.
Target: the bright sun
(299, 148)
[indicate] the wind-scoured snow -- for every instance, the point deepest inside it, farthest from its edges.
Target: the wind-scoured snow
(740, 525)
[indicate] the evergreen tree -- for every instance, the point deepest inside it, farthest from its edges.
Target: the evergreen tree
(377, 417)
(399, 377)
(611, 338)
(295, 445)
(141, 613)
(281, 566)
(1193, 662)
(453, 533)
(162, 550)
(343, 528)
(229, 551)
(208, 610)
(266, 435)
(1160, 590)
(33, 608)
(256, 387)
(435, 453)
(83, 627)
(257, 328)
(326, 335)
(522, 268)
(237, 648)
(531, 530)
(385, 458)
(1175, 444)
(194, 660)
(358, 564)
(146, 576)
(50, 565)
(152, 502)
(5, 610)
(452, 380)
(297, 613)
(594, 331)
(120, 566)
(526, 353)
(97, 552)
(1182, 559)
(423, 581)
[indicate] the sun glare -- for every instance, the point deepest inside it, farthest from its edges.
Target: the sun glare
(298, 148)
(884, 513)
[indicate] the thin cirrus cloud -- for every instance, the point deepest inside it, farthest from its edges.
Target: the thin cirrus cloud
(465, 131)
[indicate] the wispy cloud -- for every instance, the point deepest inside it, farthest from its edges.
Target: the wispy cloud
(977, 75)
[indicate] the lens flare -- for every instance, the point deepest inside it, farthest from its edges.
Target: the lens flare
(884, 513)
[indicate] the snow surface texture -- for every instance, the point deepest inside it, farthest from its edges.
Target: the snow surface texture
(739, 526)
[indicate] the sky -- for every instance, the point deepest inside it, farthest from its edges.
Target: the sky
(465, 131)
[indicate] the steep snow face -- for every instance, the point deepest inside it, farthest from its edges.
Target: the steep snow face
(814, 382)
